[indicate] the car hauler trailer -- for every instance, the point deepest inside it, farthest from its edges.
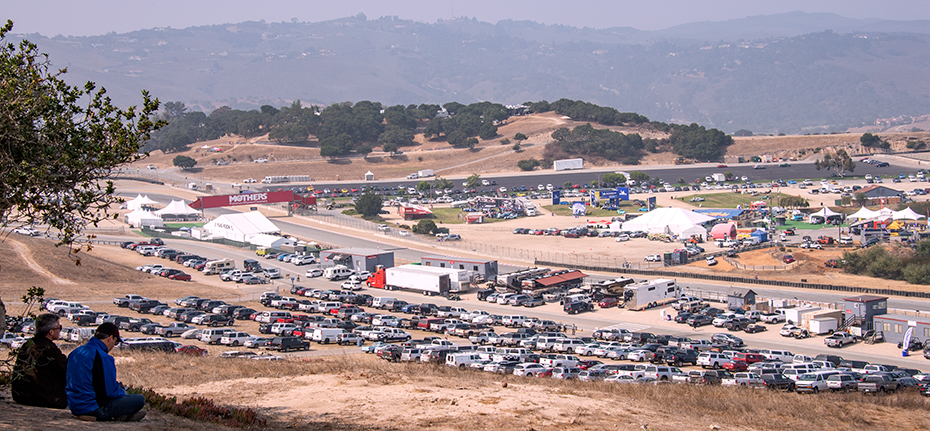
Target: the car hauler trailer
(650, 294)
(411, 277)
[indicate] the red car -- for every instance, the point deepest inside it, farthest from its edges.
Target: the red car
(608, 302)
(191, 350)
(584, 365)
(749, 358)
(180, 277)
(788, 258)
(735, 366)
(721, 166)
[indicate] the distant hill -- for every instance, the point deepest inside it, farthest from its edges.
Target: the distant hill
(778, 73)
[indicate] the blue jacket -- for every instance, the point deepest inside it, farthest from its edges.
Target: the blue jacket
(91, 378)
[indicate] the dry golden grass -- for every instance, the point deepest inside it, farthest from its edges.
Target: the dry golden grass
(666, 406)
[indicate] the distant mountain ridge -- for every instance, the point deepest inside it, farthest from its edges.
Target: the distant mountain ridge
(775, 73)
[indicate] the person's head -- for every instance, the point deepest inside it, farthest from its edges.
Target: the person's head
(108, 333)
(48, 325)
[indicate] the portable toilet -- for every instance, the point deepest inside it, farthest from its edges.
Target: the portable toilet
(369, 176)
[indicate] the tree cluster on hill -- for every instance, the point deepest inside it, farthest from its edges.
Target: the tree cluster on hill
(466, 121)
(840, 161)
(586, 140)
(696, 142)
(583, 111)
(878, 262)
(292, 123)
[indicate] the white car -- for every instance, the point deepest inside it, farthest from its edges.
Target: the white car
(351, 285)
(653, 258)
(27, 230)
(303, 260)
(711, 261)
(249, 180)
(623, 237)
(316, 272)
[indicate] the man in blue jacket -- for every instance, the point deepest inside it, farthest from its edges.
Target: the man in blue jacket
(93, 392)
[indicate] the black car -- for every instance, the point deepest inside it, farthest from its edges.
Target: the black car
(144, 305)
(134, 324)
(577, 307)
(286, 344)
(264, 328)
(149, 329)
(84, 319)
(242, 313)
(679, 357)
(777, 382)
(217, 320)
(683, 317)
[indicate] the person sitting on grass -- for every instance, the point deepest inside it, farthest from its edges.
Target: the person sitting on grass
(39, 372)
(93, 391)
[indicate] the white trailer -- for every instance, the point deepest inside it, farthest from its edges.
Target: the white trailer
(719, 177)
(568, 164)
(425, 173)
(412, 277)
(460, 280)
(650, 294)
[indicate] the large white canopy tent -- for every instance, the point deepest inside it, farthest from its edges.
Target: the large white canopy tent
(863, 214)
(177, 209)
(673, 221)
(238, 227)
(906, 214)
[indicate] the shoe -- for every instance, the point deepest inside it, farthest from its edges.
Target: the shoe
(87, 418)
(135, 417)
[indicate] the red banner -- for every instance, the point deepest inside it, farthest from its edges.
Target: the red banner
(256, 198)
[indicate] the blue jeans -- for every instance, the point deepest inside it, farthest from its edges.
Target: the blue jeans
(123, 406)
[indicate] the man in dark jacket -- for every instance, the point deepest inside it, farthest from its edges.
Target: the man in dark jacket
(93, 391)
(39, 372)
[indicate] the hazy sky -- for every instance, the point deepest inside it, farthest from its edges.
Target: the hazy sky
(95, 17)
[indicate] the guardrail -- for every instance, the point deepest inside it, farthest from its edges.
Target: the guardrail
(731, 279)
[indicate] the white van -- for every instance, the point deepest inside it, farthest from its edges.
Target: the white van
(272, 316)
(382, 302)
(79, 335)
(814, 381)
(462, 360)
(515, 320)
(326, 335)
(213, 335)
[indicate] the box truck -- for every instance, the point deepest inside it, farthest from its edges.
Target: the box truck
(425, 173)
(650, 294)
(411, 277)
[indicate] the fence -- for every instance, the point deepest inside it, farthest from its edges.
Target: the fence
(739, 265)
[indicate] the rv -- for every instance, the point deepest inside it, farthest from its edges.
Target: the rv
(337, 272)
(650, 294)
(218, 266)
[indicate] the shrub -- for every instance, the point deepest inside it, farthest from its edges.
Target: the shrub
(201, 409)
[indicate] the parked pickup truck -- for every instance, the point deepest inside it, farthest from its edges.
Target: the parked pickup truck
(839, 339)
(751, 380)
(560, 361)
(773, 317)
(124, 301)
(875, 383)
(173, 329)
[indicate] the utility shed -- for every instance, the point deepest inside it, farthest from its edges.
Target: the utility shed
(739, 299)
(860, 310)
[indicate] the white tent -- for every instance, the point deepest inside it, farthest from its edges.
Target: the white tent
(270, 241)
(885, 213)
(141, 218)
(863, 214)
(675, 221)
(240, 227)
(906, 214)
(824, 213)
(139, 202)
(177, 209)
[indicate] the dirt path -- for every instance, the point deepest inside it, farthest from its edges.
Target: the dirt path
(26, 254)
